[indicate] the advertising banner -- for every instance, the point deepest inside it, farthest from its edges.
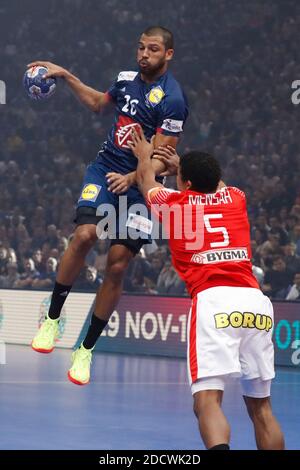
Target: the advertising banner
(149, 325)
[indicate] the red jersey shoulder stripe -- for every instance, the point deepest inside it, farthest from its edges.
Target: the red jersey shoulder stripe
(161, 196)
(238, 191)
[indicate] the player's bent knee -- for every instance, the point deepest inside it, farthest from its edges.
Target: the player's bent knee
(199, 408)
(259, 409)
(199, 404)
(117, 269)
(204, 399)
(85, 237)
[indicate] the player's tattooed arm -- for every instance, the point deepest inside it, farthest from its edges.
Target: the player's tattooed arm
(143, 150)
(89, 97)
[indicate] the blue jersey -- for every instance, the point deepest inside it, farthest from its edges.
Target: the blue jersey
(159, 107)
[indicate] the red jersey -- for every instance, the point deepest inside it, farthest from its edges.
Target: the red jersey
(209, 236)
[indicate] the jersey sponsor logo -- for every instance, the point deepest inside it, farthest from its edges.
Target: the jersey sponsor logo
(124, 127)
(220, 256)
(155, 96)
(127, 75)
(172, 125)
(243, 320)
(139, 222)
(90, 192)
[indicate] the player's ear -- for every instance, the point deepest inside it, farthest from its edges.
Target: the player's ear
(188, 184)
(169, 54)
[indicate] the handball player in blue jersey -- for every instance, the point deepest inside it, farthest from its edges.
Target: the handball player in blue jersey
(150, 98)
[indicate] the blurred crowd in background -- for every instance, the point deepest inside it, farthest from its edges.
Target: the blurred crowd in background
(236, 62)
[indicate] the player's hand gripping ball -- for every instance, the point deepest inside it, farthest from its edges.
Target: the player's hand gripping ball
(37, 87)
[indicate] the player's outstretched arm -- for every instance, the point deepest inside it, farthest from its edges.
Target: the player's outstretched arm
(143, 150)
(89, 97)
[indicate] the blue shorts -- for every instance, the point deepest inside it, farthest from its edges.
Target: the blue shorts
(95, 201)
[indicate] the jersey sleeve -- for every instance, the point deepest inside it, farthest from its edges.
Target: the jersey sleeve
(173, 114)
(113, 90)
(159, 196)
(239, 192)
(241, 195)
(119, 83)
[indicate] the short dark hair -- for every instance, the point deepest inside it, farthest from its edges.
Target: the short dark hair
(202, 170)
(165, 33)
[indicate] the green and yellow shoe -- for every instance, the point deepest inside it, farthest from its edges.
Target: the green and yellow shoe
(79, 373)
(45, 338)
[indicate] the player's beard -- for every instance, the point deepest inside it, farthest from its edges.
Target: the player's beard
(152, 70)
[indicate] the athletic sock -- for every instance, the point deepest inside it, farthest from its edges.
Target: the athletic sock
(59, 296)
(95, 329)
(220, 447)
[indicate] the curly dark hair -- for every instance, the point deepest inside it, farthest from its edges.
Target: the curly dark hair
(202, 170)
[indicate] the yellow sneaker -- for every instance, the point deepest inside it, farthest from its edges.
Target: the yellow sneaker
(45, 338)
(79, 373)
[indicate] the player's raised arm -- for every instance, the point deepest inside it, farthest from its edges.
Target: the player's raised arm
(89, 97)
(169, 158)
(162, 141)
(145, 173)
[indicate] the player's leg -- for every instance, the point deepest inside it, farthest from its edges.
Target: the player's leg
(109, 293)
(93, 193)
(74, 257)
(213, 425)
(257, 360)
(267, 430)
(211, 349)
(107, 298)
(123, 248)
(69, 268)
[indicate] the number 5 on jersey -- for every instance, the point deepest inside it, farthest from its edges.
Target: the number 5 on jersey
(211, 229)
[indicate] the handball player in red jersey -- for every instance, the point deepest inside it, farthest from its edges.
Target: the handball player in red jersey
(231, 321)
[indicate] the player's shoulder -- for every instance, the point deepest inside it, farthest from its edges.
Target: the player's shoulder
(235, 190)
(127, 76)
(173, 88)
(162, 195)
